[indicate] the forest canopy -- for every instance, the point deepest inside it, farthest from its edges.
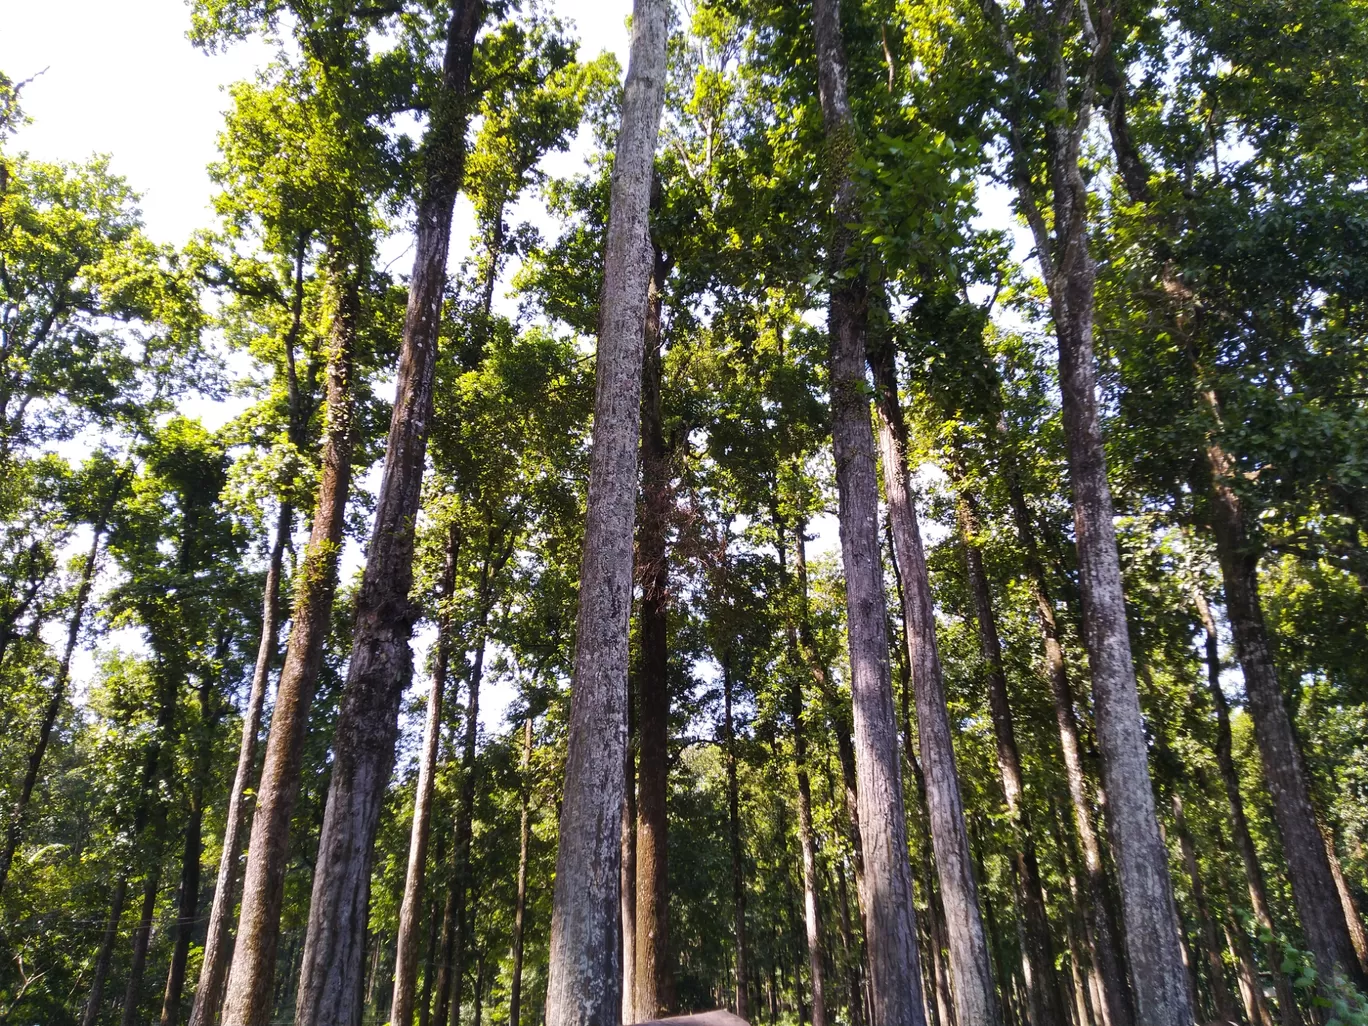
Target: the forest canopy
(870, 529)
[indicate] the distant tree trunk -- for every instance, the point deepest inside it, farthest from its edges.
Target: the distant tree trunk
(583, 988)
(142, 937)
(734, 836)
(654, 990)
(1113, 1008)
(411, 909)
(1042, 987)
(381, 665)
(629, 868)
(91, 1014)
(520, 906)
(1251, 989)
(433, 939)
(970, 964)
(812, 916)
(1160, 990)
(886, 895)
(1239, 824)
(53, 709)
(249, 996)
(218, 939)
(1211, 941)
(1351, 913)
(465, 812)
(1313, 886)
(189, 890)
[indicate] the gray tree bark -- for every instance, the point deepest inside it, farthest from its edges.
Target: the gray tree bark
(381, 665)
(1043, 994)
(970, 960)
(734, 836)
(807, 843)
(249, 991)
(886, 893)
(411, 908)
(520, 905)
(585, 980)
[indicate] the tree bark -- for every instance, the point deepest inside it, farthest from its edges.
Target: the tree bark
(734, 836)
(1042, 987)
(1251, 989)
(812, 917)
(1351, 914)
(1211, 941)
(411, 908)
(142, 937)
(1313, 886)
(91, 1014)
(15, 829)
(188, 894)
(249, 989)
(886, 894)
(970, 964)
(654, 988)
(1239, 824)
(218, 939)
(584, 981)
(629, 870)
(381, 665)
(1113, 1008)
(520, 906)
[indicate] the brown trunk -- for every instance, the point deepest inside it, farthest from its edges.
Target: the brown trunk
(95, 999)
(653, 996)
(807, 843)
(584, 984)
(1112, 1008)
(249, 989)
(142, 937)
(218, 940)
(970, 965)
(1313, 886)
(450, 928)
(1211, 940)
(1351, 914)
(1251, 990)
(381, 665)
(1042, 988)
(15, 829)
(1239, 825)
(188, 894)
(734, 836)
(433, 938)
(410, 911)
(520, 907)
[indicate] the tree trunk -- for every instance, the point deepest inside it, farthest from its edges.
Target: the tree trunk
(1113, 1008)
(970, 965)
(1313, 885)
(1239, 824)
(249, 993)
(218, 940)
(1042, 987)
(1211, 940)
(381, 664)
(520, 907)
(1251, 990)
(1161, 993)
(188, 894)
(430, 960)
(812, 919)
(14, 831)
(142, 937)
(1351, 913)
(629, 868)
(91, 1014)
(584, 983)
(653, 996)
(734, 836)
(886, 896)
(410, 911)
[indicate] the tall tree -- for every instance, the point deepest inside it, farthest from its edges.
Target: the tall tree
(583, 989)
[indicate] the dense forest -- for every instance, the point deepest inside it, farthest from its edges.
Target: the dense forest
(904, 494)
